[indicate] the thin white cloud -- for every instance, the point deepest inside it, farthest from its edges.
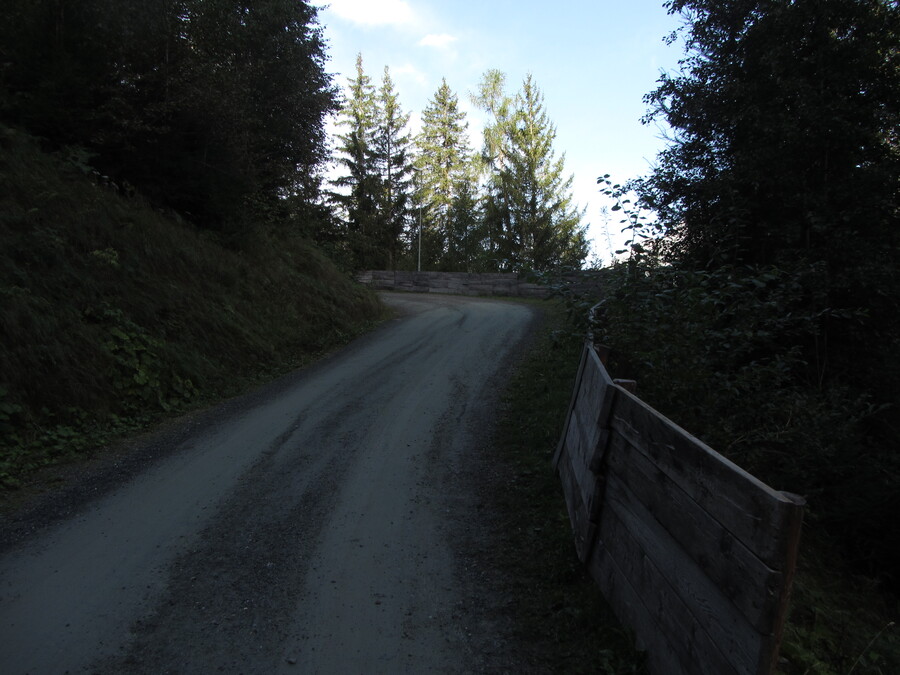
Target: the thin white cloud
(373, 12)
(441, 41)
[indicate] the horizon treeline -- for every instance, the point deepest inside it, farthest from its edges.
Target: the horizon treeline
(432, 202)
(217, 111)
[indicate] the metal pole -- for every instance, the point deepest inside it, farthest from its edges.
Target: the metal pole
(420, 238)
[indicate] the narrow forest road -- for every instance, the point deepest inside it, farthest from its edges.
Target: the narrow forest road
(317, 526)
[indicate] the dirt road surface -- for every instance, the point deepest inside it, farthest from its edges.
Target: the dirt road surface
(316, 526)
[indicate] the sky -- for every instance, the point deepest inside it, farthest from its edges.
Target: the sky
(594, 61)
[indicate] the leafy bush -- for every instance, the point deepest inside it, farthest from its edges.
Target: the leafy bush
(725, 353)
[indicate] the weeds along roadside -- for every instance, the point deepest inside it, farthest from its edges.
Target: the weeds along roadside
(840, 621)
(115, 316)
(560, 613)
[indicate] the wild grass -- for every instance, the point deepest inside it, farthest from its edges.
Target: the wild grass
(114, 314)
(559, 610)
(839, 623)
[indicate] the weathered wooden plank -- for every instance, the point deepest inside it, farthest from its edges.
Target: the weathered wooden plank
(591, 406)
(582, 529)
(629, 607)
(588, 433)
(684, 594)
(604, 421)
(743, 578)
(604, 375)
(582, 430)
(756, 514)
(573, 441)
(590, 490)
(593, 391)
(575, 392)
(575, 446)
(656, 624)
(793, 550)
(666, 612)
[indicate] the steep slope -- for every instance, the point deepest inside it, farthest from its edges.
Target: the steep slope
(113, 314)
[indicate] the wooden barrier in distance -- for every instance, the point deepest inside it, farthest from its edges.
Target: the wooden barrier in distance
(454, 283)
(481, 283)
(692, 552)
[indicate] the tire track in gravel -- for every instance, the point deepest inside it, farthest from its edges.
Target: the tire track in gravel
(314, 530)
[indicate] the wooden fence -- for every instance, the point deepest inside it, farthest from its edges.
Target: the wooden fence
(694, 554)
(455, 283)
(482, 283)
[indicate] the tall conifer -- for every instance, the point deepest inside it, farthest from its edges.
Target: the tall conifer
(443, 190)
(530, 217)
(358, 194)
(392, 149)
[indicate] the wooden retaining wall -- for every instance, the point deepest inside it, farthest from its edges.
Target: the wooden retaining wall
(692, 552)
(454, 283)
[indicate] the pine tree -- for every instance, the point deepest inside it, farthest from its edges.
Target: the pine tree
(547, 225)
(359, 189)
(392, 152)
(467, 234)
(493, 163)
(530, 216)
(443, 180)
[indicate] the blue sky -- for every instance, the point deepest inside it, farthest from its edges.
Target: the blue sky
(594, 60)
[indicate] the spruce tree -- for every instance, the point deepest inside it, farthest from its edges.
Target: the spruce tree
(467, 241)
(530, 217)
(392, 152)
(546, 224)
(211, 107)
(493, 163)
(443, 180)
(359, 190)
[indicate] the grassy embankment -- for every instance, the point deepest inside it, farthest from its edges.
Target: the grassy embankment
(115, 316)
(839, 623)
(560, 612)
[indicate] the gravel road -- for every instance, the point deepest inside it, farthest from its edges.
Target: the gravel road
(320, 525)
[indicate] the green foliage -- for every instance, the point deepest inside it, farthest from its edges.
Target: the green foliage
(446, 185)
(785, 116)
(523, 219)
(373, 192)
(530, 220)
(769, 274)
(559, 610)
(113, 315)
(839, 624)
(757, 303)
(211, 107)
(139, 373)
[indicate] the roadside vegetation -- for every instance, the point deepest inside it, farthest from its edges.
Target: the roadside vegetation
(756, 303)
(840, 621)
(560, 613)
(115, 315)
